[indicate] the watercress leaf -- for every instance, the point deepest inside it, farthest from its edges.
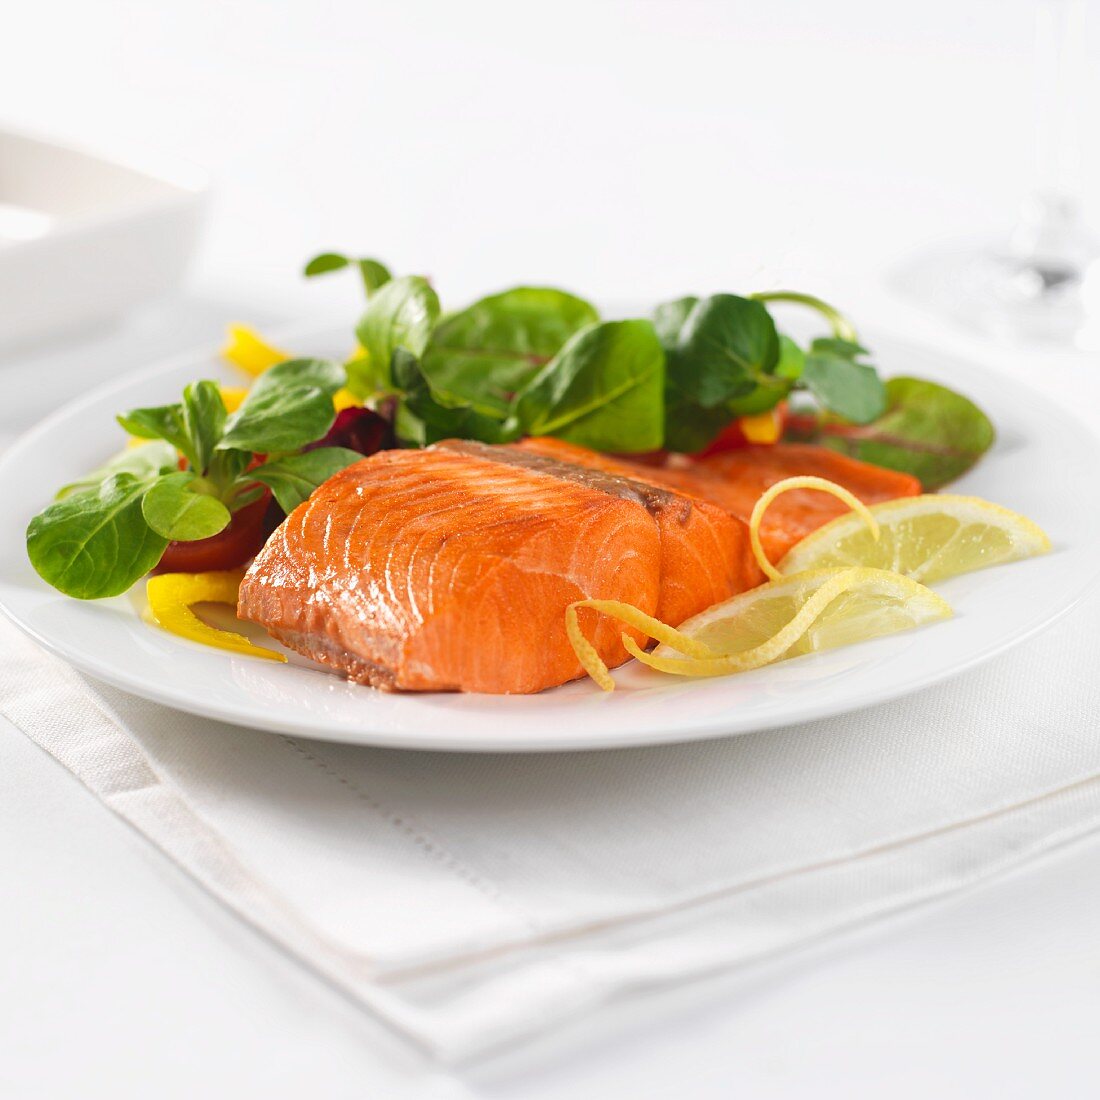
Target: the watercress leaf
(422, 419)
(400, 314)
(325, 374)
(688, 426)
(669, 318)
(725, 344)
(289, 406)
(96, 544)
(279, 420)
(160, 422)
(292, 479)
(482, 356)
(204, 418)
(841, 383)
(174, 507)
(324, 263)
(927, 430)
(770, 390)
(373, 273)
(604, 390)
(791, 360)
(144, 460)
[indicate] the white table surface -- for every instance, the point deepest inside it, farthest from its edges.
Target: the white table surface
(629, 151)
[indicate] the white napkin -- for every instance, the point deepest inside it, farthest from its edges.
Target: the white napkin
(473, 900)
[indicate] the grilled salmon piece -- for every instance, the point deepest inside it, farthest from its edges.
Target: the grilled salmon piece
(451, 568)
(705, 552)
(734, 481)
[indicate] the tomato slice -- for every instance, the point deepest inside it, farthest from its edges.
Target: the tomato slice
(247, 532)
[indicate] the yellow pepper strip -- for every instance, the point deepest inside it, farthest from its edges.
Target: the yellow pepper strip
(763, 427)
(248, 350)
(232, 396)
(345, 399)
(784, 486)
(171, 596)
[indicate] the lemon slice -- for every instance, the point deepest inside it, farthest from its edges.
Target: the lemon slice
(806, 613)
(927, 538)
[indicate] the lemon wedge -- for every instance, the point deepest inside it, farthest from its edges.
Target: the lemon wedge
(927, 538)
(812, 611)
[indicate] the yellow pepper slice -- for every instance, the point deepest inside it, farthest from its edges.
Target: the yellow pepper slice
(248, 350)
(763, 427)
(345, 399)
(232, 396)
(171, 596)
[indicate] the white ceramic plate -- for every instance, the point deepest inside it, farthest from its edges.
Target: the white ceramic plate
(1043, 465)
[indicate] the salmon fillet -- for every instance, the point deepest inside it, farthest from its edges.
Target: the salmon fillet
(734, 481)
(705, 552)
(451, 568)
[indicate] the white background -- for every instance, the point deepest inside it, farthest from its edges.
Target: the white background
(627, 151)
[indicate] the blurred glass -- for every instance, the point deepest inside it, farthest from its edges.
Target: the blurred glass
(1043, 281)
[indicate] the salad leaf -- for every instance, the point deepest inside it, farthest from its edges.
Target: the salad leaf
(927, 430)
(669, 319)
(482, 356)
(145, 460)
(204, 418)
(373, 273)
(843, 385)
(399, 315)
(422, 419)
(725, 343)
(603, 390)
(792, 359)
(688, 426)
(165, 422)
(175, 507)
(96, 543)
(289, 406)
(292, 479)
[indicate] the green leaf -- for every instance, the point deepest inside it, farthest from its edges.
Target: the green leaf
(843, 385)
(927, 430)
(669, 319)
(143, 461)
(175, 508)
(293, 479)
(289, 406)
(204, 418)
(325, 262)
(603, 390)
(482, 356)
(422, 419)
(792, 359)
(401, 314)
(95, 544)
(725, 344)
(688, 426)
(373, 273)
(165, 422)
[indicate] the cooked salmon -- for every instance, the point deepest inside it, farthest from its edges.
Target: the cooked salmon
(451, 568)
(705, 554)
(734, 481)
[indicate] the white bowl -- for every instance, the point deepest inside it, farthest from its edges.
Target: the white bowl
(84, 237)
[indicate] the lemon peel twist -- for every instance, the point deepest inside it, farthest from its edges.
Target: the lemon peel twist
(805, 482)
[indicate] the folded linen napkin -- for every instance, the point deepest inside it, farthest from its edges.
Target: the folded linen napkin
(472, 900)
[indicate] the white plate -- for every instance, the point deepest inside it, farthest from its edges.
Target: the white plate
(1043, 464)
